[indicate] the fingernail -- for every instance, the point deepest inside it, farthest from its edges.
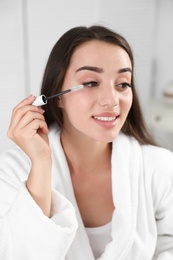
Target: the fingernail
(42, 110)
(30, 96)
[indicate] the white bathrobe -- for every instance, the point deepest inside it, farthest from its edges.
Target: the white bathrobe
(142, 224)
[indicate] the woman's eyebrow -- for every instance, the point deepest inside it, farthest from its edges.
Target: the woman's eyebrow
(125, 70)
(100, 70)
(91, 68)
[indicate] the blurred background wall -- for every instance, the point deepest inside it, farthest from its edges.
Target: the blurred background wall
(30, 28)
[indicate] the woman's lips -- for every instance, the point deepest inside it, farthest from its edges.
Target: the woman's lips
(106, 120)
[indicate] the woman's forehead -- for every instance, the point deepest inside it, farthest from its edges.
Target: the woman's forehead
(96, 53)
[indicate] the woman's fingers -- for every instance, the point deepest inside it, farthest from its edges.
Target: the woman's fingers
(29, 115)
(27, 101)
(23, 115)
(20, 110)
(33, 140)
(28, 129)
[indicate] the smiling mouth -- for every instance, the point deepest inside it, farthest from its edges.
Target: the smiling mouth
(105, 118)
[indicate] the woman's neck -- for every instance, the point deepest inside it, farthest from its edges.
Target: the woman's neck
(85, 155)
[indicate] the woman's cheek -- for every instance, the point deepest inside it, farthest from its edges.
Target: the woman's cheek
(127, 100)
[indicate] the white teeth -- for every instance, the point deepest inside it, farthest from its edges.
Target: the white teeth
(105, 118)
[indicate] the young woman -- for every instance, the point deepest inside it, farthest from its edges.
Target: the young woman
(85, 180)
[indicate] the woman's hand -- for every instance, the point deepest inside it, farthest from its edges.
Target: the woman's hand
(29, 130)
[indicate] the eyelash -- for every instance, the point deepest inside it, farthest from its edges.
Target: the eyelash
(92, 84)
(124, 85)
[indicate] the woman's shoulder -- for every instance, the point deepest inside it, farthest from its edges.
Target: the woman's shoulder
(14, 166)
(154, 156)
(158, 164)
(13, 156)
(158, 155)
(12, 153)
(158, 172)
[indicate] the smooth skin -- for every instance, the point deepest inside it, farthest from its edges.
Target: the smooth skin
(93, 117)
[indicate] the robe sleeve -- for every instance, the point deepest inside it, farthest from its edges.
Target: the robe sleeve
(163, 204)
(25, 232)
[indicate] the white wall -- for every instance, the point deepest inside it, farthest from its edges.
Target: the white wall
(11, 63)
(163, 47)
(30, 28)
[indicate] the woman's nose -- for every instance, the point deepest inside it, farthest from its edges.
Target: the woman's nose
(109, 97)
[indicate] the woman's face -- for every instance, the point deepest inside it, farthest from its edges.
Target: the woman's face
(100, 108)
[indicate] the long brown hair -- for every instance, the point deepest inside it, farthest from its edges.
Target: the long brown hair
(58, 63)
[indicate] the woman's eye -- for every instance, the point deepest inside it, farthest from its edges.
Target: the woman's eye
(90, 84)
(123, 85)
